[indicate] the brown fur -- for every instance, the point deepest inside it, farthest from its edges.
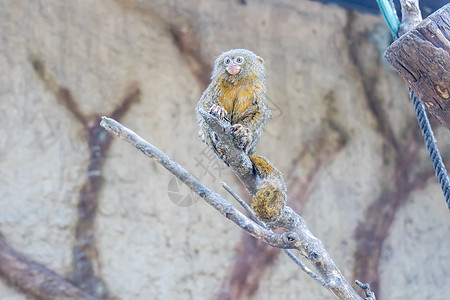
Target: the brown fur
(241, 95)
(270, 198)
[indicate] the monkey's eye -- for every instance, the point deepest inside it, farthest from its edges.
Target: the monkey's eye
(240, 60)
(227, 61)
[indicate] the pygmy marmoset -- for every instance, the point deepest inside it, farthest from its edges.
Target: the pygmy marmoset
(236, 93)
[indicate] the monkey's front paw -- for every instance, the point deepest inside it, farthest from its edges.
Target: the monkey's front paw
(243, 135)
(218, 111)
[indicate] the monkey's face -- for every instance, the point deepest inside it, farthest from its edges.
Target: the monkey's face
(233, 64)
(238, 66)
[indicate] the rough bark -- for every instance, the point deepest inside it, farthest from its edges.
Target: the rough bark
(422, 58)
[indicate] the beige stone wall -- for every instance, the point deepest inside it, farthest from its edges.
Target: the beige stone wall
(343, 132)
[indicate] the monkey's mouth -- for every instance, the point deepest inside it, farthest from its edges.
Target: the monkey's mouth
(233, 69)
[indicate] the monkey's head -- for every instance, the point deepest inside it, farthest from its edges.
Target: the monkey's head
(239, 65)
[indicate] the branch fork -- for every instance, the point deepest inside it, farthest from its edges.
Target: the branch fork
(297, 234)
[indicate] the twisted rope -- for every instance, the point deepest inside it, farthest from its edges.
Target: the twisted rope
(430, 142)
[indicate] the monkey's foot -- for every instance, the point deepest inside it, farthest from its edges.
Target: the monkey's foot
(243, 136)
(218, 111)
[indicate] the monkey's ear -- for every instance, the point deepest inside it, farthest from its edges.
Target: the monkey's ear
(260, 59)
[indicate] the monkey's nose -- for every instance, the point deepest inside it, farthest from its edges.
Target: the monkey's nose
(233, 69)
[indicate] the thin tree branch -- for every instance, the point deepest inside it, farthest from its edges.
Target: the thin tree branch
(366, 288)
(297, 230)
(411, 15)
(287, 251)
(297, 235)
(212, 198)
(244, 204)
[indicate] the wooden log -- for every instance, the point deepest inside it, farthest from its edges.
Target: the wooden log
(422, 58)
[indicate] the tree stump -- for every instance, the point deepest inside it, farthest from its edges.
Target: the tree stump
(422, 58)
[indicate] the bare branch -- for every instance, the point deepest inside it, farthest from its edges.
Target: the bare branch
(297, 229)
(244, 204)
(366, 288)
(212, 198)
(234, 156)
(298, 235)
(411, 15)
(287, 251)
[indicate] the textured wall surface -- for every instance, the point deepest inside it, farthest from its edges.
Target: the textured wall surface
(343, 133)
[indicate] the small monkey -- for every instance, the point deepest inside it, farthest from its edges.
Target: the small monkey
(236, 94)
